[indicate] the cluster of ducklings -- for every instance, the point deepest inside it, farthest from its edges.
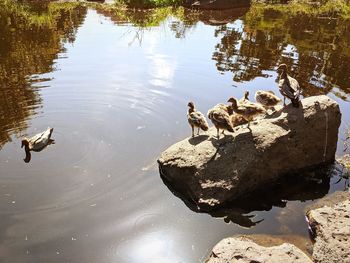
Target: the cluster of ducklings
(243, 111)
(239, 112)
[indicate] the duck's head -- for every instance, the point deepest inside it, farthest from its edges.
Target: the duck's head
(233, 101)
(282, 68)
(190, 105)
(25, 143)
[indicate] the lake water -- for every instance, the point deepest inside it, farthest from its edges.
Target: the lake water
(115, 89)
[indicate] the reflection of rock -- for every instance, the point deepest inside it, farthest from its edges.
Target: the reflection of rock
(216, 4)
(330, 223)
(307, 186)
(222, 17)
(243, 249)
(210, 172)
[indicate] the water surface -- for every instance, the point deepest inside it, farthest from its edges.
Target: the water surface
(115, 88)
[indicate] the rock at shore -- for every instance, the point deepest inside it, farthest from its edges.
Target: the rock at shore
(210, 172)
(330, 224)
(243, 249)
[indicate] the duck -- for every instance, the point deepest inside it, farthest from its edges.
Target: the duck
(288, 86)
(196, 119)
(237, 120)
(224, 107)
(245, 98)
(267, 98)
(248, 110)
(38, 142)
(221, 119)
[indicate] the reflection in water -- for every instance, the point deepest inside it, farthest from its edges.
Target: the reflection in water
(302, 187)
(317, 50)
(95, 196)
(31, 38)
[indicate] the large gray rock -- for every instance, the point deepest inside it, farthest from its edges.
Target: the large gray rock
(244, 250)
(331, 226)
(210, 172)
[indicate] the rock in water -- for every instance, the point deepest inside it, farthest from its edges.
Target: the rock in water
(210, 172)
(242, 249)
(330, 224)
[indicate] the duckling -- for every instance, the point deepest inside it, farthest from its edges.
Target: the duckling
(38, 142)
(224, 107)
(247, 110)
(221, 120)
(245, 98)
(267, 99)
(288, 86)
(237, 119)
(196, 119)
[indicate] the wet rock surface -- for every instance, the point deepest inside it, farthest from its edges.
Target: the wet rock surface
(329, 221)
(243, 249)
(210, 172)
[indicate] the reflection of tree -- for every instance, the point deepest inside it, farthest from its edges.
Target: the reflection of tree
(320, 57)
(32, 36)
(181, 20)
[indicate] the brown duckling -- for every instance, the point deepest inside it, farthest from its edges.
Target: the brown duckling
(237, 120)
(224, 107)
(288, 86)
(267, 99)
(247, 110)
(245, 98)
(221, 120)
(196, 119)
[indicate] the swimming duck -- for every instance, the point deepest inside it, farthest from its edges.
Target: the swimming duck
(247, 110)
(221, 119)
(267, 99)
(288, 86)
(196, 119)
(38, 142)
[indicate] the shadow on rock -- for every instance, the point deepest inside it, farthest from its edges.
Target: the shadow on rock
(198, 139)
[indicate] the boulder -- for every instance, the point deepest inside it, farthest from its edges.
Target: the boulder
(244, 250)
(209, 171)
(330, 226)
